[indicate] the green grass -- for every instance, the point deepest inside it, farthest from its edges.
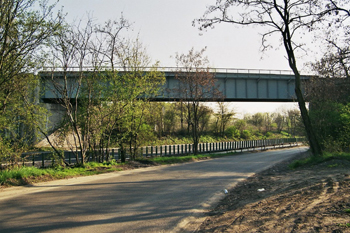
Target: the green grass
(313, 160)
(183, 159)
(19, 176)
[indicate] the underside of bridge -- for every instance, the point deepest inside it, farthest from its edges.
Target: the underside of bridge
(234, 87)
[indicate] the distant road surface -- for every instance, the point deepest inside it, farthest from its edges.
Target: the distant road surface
(155, 199)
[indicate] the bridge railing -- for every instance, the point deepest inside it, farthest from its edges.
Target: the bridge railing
(172, 69)
(44, 159)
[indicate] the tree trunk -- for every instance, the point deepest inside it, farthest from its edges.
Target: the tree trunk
(314, 145)
(59, 154)
(313, 141)
(122, 154)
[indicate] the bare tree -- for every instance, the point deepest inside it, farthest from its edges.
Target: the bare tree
(110, 37)
(196, 83)
(285, 17)
(71, 48)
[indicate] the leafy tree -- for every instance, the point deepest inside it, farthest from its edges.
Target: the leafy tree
(158, 117)
(268, 122)
(344, 136)
(257, 120)
(103, 105)
(24, 31)
(170, 119)
(223, 118)
(280, 120)
(240, 124)
(329, 94)
(140, 83)
(205, 113)
(293, 121)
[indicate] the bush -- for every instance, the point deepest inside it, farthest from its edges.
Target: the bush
(207, 139)
(245, 134)
(284, 133)
(232, 132)
(331, 122)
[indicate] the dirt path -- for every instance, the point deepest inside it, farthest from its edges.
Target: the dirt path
(312, 199)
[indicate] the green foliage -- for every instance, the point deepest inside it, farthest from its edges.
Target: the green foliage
(344, 136)
(232, 132)
(208, 139)
(24, 32)
(240, 124)
(332, 125)
(284, 133)
(18, 176)
(103, 164)
(246, 134)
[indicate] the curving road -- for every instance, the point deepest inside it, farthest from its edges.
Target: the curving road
(155, 199)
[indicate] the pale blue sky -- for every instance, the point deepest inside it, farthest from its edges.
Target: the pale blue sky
(165, 28)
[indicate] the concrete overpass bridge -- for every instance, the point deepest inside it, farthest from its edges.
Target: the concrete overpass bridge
(236, 85)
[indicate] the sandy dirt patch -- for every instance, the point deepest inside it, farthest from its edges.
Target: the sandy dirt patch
(309, 199)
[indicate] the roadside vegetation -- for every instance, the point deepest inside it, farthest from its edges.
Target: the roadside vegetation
(27, 175)
(310, 161)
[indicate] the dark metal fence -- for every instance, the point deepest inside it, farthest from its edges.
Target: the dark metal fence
(47, 158)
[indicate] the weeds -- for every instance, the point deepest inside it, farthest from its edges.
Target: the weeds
(16, 176)
(313, 160)
(345, 225)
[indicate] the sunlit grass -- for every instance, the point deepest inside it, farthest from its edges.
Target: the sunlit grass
(19, 176)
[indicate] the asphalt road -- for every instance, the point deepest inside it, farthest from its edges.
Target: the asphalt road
(156, 199)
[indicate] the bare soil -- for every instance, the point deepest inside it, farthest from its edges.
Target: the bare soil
(308, 199)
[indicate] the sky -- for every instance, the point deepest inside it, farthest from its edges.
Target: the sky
(165, 28)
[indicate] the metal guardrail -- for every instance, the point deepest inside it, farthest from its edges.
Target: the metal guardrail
(169, 69)
(42, 159)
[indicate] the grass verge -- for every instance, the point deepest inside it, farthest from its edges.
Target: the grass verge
(27, 175)
(313, 160)
(184, 159)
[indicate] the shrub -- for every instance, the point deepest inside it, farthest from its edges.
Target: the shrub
(232, 132)
(245, 134)
(284, 133)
